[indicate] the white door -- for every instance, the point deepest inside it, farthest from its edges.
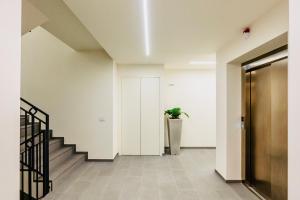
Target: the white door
(131, 111)
(150, 115)
(140, 116)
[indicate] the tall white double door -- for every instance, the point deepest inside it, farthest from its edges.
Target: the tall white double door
(140, 108)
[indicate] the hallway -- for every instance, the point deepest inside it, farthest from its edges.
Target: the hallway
(189, 176)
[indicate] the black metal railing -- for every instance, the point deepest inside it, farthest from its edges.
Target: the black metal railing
(34, 152)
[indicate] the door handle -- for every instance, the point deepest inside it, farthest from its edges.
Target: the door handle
(243, 123)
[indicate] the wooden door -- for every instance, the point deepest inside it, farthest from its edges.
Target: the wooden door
(261, 130)
(279, 152)
(266, 129)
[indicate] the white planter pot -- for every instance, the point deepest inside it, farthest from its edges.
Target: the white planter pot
(174, 132)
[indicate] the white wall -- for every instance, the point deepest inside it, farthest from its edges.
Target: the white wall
(75, 88)
(10, 58)
(294, 101)
(195, 92)
(268, 27)
(142, 70)
(115, 110)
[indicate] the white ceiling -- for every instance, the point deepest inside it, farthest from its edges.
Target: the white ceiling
(180, 30)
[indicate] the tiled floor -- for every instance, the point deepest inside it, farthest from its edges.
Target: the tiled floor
(189, 176)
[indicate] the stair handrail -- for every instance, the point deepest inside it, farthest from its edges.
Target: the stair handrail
(33, 107)
(36, 152)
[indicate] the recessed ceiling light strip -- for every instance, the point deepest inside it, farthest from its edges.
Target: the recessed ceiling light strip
(146, 27)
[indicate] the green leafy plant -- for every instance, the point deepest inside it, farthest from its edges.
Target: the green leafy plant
(175, 113)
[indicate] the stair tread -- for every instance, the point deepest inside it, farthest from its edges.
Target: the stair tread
(55, 144)
(65, 166)
(53, 141)
(29, 125)
(22, 139)
(59, 152)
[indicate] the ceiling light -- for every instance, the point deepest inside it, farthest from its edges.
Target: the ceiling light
(202, 62)
(146, 27)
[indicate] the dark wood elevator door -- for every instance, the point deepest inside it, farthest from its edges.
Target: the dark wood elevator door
(261, 129)
(279, 128)
(268, 130)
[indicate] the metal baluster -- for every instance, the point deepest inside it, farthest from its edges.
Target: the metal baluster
(46, 157)
(22, 176)
(40, 152)
(37, 170)
(25, 144)
(29, 173)
(32, 138)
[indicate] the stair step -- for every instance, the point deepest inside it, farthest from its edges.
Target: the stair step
(23, 120)
(69, 164)
(29, 129)
(55, 144)
(59, 156)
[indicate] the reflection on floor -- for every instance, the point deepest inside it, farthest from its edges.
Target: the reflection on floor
(189, 176)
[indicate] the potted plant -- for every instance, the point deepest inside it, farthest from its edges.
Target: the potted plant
(174, 124)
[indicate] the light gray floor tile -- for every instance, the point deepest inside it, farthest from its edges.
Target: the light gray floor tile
(168, 192)
(148, 194)
(188, 176)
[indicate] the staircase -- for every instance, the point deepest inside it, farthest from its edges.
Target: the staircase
(43, 158)
(63, 158)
